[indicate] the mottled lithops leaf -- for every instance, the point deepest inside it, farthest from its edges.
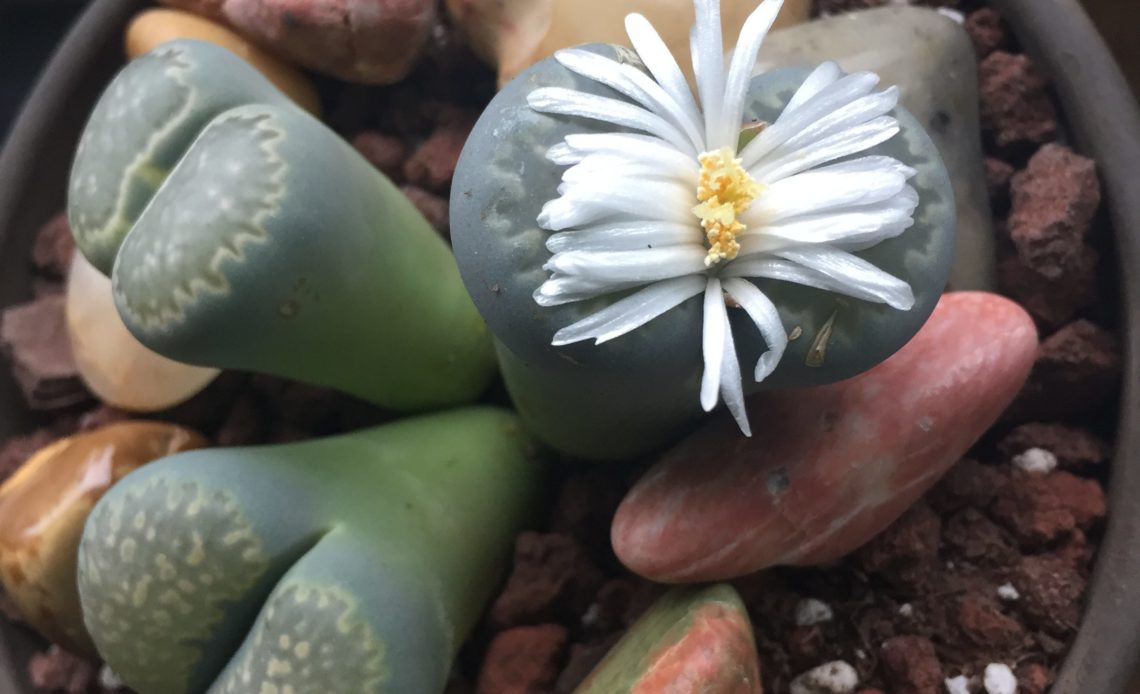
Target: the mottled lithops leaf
(242, 224)
(140, 128)
(356, 563)
(43, 508)
(691, 641)
(634, 393)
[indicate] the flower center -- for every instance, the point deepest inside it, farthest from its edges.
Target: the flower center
(725, 190)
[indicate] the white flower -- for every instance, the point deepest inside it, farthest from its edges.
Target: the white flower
(676, 210)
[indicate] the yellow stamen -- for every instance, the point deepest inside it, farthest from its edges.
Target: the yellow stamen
(725, 190)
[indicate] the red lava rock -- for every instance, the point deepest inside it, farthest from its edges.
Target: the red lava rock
(807, 647)
(1077, 370)
(369, 41)
(913, 537)
(435, 209)
(433, 163)
(34, 336)
(1042, 508)
(1054, 200)
(553, 580)
(1033, 678)
(16, 450)
(1015, 106)
(1052, 302)
(969, 483)
(829, 467)
(585, 505)
(613, 601)
(970, 535)
(523, 660)
(998, 176)
(385, 152)
(56, 670)
(53, 247)
(244, 425)
(986, 31)
(983, 623)
(1050, 590)
(302, 406)
(1073, 446)
(910, 665)
(584, 657)
(1075, 551)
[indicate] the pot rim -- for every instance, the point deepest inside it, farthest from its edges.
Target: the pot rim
(1061, 38)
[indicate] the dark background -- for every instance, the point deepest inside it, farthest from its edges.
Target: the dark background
(29, 31)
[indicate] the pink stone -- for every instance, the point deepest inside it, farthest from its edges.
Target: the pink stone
(369, 41)
(827, 468)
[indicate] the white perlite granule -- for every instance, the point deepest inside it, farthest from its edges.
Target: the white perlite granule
(810, 611)
(1036, 461)
(836, 677)
(957, 685)
(999, 679)
(1008, 592)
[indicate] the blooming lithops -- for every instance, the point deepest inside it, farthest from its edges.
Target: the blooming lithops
(240, 232)
(788, 229)
(357, 563)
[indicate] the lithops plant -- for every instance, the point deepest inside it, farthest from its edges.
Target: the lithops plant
(44, 505)
(112, 363)
(242, 233)
(693, 639)
(784, 230)
(351, 564)
(151, 28)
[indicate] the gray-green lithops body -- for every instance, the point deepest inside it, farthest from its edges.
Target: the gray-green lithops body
(242, 233)
(357, 563)
(633, 394)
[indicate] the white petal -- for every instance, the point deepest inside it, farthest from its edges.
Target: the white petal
(826, 188)
(741, 68)
(849, 115)
(560, 289)
(626, 236)
(850, 141)
(879, 286)
(712, 343)
(707, 48)
(731, 385)
(767, 319)
(635, 84)
(641, 266)
(852, 271)
(824, 75)
(568, 102)
(856, 225)
(633, 146)
(585, 203)
(832, 97)
(632, 312)
(661, 64)
(613, 166)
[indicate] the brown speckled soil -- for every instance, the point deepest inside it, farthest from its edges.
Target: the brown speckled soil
(919, 603)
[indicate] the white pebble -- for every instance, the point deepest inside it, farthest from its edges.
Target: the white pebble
(836, 677)
(109, 680)
(1036, 461)
(906, 610)
(957, 685)
(811, 611)
(1008, 592)
(999, 679)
